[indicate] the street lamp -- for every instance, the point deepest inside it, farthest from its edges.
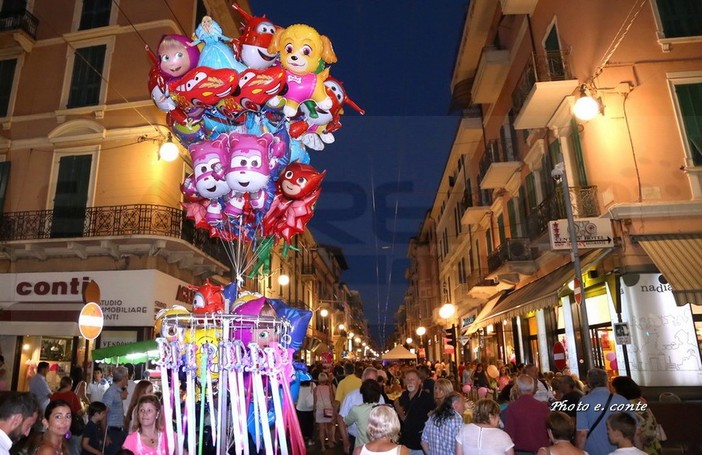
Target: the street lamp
(447, 311)
(421, 331)
(409, 340)
(341, 327)
(283, 280)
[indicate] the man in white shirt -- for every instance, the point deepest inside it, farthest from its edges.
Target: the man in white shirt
(353, 398)
(131, 385)
(98, 387)
(39, 387)
(18, 412)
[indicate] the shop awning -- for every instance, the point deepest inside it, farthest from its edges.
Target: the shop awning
(138, 352)
(541, 293)
(679, 258)
(484, 313)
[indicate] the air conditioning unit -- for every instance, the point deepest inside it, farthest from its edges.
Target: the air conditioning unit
(519, 250)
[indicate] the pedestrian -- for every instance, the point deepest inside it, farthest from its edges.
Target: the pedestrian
(325, 413)
(561, 429)
(442, 388)
(595, 409)
(483, 436)
(383, 431)
(18, 413)
(142, 388)
(353, 398)
(114, 398)
(621, 431)
(98, 387)
(541, 392)
(147, 435)
(358, 414)
(570, 396)
(525, 417)
(93, 439)
(413, 408)
(647, 427)
(441, 430)
(57, 421)
(305, 410)
(39, 387)
(66, 393)
(480, 377)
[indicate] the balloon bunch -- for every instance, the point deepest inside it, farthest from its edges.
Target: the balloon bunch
(247, 110)
(238, 365)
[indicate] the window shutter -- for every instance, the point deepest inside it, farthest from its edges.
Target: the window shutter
(680, 17)
(690, 100)
(87, 76)
(96, 13)
(7, 76)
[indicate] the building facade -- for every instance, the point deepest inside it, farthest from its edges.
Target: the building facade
(632, 173)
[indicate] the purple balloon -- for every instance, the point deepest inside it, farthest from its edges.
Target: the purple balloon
(299, 319)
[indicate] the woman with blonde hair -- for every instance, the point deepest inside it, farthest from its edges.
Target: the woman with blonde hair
(483, 437)
(383, 430)
(142, 388)
(324, 410)
(147, 436)
(442, 388)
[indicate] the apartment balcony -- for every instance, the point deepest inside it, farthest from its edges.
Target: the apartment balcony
(114, 231)
(514, 257)
(491, 75)
(474, 214)
(497, 168)
(518, 6)
(546, 81)
(18, 28)
(583, 200)
(307, 273)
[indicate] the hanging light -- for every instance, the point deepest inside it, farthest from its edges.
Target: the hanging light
(283, 280)
(421, 330)
(586, 107)
(168, 151)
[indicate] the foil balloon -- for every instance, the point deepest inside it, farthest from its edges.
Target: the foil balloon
(168, 332)
(176, 57)
(216, 53)
(302, 50)
(299, 320)
(261, 333)
(206, 182)
(208, 298)
(254, 39)
(206, 339)
(298, 189)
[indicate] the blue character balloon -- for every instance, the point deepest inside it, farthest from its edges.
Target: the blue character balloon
(216, 53)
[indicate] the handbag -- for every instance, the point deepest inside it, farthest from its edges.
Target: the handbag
(328, 412)
(77, 425)
(660, 433)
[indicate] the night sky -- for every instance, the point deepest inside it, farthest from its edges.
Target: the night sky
(396, 61)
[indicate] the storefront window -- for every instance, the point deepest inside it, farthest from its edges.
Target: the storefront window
(56, 349)
(508, 342)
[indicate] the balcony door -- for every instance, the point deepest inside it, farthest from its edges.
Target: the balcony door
(71, 195)
(554, 58)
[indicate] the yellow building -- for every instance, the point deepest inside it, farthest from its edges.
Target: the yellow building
(633, 174)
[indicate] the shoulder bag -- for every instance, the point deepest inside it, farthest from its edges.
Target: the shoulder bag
(599, 418)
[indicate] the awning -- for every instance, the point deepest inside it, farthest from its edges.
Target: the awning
(679, 258)
(541, 293)
(138, 352)
(484, 313)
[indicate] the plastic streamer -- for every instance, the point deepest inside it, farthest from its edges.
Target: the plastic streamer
(164, 364)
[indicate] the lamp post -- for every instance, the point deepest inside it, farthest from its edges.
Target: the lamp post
(560, 172)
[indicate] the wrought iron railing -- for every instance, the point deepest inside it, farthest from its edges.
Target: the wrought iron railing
(517, 249)
(583, 200)
(544, 67)
(111, 221)
(23, 20)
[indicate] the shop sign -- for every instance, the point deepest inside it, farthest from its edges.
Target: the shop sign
(622, 335)
(127, 297)
(117, 337)
(589, 233)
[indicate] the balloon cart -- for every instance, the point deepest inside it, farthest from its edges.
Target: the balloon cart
(247, 110)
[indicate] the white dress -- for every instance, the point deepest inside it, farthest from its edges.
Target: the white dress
(477, 440)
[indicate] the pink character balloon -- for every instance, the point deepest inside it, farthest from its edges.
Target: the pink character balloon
(251, 160)
(206, 182)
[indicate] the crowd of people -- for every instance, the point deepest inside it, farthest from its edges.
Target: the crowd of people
(506, 410)
(97, 417)
(360, 408)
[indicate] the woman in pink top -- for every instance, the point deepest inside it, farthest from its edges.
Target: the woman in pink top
(147, 436)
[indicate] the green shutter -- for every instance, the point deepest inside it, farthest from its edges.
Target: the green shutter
(531, 191)
(690, 100)
(71, 196)
(96, 13)
(87, 76)
(680, 17)
(501, 228)
(512, 214)
(7, 77)
(4, 182)
(578, 152)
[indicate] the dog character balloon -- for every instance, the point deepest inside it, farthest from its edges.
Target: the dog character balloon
(302, 51)
(207, 183)
(253, 42)
(250, 165)
(293, 205)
